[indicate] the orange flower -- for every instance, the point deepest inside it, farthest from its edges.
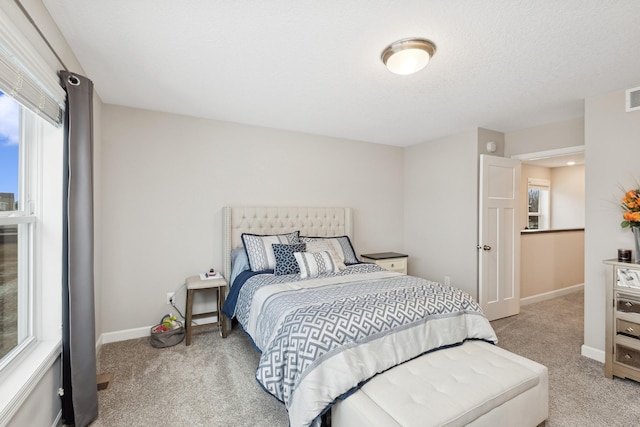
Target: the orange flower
(631, 208)
(631, 216)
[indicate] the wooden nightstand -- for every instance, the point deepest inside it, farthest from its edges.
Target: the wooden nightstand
(196, 284)
(392, 261)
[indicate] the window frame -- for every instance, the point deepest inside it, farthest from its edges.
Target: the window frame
(25, 218)
(27, 71)
(543, 186)
(40, 353)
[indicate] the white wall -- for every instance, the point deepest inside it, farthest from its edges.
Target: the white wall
(42, 407)
(568, 133)
(441, 209)
(167, 177)
(612, 150)
(567, 197)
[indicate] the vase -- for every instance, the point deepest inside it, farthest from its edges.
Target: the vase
(636, 241)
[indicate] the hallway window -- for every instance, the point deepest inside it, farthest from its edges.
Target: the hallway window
(538, 212)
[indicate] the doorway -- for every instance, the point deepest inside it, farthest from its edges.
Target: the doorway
(552, 256)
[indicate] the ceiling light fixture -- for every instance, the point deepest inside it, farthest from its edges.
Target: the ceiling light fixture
(408, 56)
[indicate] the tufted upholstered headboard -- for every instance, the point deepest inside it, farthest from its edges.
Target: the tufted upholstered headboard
(311, 221)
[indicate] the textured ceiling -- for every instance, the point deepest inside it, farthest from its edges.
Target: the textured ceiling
(314, 66)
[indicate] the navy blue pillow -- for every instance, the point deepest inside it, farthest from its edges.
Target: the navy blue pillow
(285, 260)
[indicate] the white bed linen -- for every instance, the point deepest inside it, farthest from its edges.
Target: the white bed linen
(321, 338)
(267, 292)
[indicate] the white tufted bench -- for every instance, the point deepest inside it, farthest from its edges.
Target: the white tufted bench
(476, 384)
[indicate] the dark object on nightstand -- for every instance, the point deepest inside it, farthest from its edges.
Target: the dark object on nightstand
(624, 255)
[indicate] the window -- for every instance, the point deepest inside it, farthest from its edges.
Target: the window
(538, 212)
(31, 176)
(30, 251)
(17, 221)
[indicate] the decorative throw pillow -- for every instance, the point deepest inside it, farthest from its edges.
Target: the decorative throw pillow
(313, 264)
(329, 245)
(285, 260)
(341, 243)
(260, 250)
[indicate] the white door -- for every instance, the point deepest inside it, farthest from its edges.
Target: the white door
(499, 237)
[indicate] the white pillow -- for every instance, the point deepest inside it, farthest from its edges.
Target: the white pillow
(329, 245)
(341, 243)
(313, 264)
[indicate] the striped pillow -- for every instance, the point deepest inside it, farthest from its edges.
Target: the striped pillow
(342, 245)
(313, 264)
(329, 245)
(260, 250)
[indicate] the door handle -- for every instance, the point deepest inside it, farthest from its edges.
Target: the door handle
(485, 248)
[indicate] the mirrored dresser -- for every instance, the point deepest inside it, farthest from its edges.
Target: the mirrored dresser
(622, 347)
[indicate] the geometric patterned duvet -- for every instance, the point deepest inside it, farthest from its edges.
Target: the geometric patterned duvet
(322, 338)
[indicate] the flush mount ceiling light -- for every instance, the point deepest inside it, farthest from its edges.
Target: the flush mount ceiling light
(408, 56)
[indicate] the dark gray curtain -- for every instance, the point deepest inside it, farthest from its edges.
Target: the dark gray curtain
(80, 399)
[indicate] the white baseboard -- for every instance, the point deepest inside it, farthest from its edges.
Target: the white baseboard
(592, 353)
(126, 334)
(131, 334)
(550, 295)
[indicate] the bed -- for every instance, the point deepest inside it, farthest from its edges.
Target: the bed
(326, 324)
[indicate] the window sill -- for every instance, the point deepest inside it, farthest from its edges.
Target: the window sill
(25, 376)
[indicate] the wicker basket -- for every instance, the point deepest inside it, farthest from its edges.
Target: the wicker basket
(167, 338)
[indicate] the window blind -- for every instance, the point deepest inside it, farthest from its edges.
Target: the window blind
(539, 184)
(26, 77)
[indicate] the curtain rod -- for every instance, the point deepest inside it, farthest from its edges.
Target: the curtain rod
(33, 23)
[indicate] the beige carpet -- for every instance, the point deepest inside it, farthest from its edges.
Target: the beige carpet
(211, 382)
(551, 333)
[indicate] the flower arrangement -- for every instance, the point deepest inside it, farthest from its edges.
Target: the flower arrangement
(168, 323)
(631, 208)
